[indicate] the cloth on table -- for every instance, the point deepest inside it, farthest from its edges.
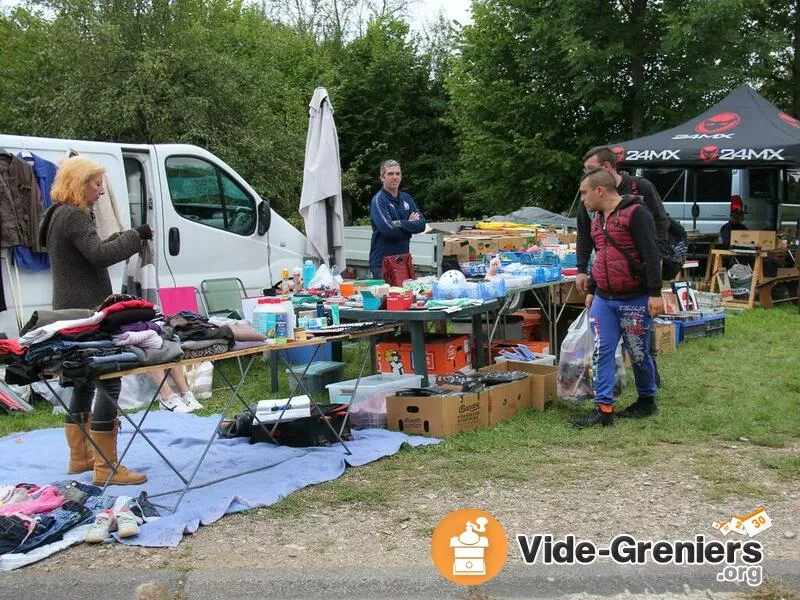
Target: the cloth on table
(142, 326)
(141, 339)
(40, 318)
(207, 351)
(169, 352)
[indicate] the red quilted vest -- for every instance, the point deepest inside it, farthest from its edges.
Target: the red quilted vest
(611, 270)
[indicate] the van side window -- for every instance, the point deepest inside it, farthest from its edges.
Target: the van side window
(713, 185)
(668, 182)
(203, 193)
(764, 184)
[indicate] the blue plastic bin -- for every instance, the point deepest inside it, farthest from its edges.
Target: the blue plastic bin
(300, 356)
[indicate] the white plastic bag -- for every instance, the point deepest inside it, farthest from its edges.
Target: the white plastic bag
(575, 379)
(322, 278)
(200, 378)
(136, 391)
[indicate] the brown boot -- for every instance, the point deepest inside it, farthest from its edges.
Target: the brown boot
(107, 443)
(81, 457)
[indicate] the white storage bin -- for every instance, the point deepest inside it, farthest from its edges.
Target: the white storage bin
(369, 405)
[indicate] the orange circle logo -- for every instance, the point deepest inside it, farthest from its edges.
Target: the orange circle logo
(469, 546)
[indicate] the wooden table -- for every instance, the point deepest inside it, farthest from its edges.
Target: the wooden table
(760, 284)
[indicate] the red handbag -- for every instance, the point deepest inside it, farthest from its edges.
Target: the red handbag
(396, 269)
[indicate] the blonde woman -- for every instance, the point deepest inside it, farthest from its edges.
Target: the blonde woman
(80, 261)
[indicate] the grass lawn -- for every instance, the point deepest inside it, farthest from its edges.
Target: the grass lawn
(743, 387)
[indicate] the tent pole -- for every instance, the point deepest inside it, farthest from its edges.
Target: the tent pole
(695, 207)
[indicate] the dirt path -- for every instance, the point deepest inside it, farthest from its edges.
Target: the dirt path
(669, 500)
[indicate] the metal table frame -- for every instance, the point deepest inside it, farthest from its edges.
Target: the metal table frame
(415, 319)
(251, 353)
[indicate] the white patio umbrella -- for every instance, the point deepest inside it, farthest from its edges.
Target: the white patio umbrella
(321, 198)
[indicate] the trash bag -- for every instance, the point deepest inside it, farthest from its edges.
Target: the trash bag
(575, 379)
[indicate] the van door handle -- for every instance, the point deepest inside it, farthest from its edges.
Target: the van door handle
(174, 241)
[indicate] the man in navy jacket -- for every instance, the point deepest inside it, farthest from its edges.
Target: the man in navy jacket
(395, 218)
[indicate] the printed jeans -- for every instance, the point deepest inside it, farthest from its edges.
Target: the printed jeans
(629, 319)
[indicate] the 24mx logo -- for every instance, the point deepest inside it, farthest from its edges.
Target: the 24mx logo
(652, 155)
(750, 154)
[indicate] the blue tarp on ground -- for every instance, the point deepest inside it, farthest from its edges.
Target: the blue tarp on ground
(41, 457)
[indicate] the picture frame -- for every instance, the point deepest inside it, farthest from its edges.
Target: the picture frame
(687, 299)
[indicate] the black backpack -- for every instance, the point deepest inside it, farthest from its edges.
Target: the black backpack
(674, 250)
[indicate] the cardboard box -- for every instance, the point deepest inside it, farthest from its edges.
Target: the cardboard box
(437, 416)
(479, 247)
(507, 399)
(788, 272)
(663, 338)
(457, 247)
(443, 354)
(567, 293)
(764, 240)
(542, 379)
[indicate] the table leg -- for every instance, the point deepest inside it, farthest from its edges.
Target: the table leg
(418, 350)
(717, 266)
(754, 283)
(477, 337)
(273, 369)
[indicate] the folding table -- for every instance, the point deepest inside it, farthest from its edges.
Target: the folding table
(214, 359)
(416, 320)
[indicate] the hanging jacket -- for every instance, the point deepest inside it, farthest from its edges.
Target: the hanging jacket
(21, 206)
(627, 262)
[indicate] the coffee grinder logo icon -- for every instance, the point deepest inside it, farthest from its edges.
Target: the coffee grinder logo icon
(469, 547)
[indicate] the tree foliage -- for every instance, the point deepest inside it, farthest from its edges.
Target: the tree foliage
(483, 119)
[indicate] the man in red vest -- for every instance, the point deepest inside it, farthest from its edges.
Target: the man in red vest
(624, 293)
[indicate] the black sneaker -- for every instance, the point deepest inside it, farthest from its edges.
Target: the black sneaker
(643, 407)
(596, 417)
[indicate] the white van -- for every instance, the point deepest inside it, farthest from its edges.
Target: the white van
(209, 222)
(767, 194)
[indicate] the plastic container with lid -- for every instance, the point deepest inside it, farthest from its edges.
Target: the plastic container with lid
(265, 316)
(309, 270)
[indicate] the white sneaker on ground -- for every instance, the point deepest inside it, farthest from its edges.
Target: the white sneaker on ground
(127, 525)
(174, 404)
(103, 525)
(190, 401)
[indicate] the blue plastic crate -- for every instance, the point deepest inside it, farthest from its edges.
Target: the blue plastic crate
(705, 327)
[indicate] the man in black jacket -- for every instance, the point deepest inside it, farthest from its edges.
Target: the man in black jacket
(601, 157)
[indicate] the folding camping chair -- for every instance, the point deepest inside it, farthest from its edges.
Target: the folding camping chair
(223, 296)
(175, 299)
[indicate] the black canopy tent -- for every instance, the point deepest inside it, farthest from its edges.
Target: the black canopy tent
(742, 130)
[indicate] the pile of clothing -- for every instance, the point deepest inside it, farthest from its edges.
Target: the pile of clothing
(125, 332)
(32, 517)
(82, 344)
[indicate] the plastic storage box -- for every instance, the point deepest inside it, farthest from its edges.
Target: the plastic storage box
(303, 354)
(368, 409)
(319, 375)
(705, 327)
